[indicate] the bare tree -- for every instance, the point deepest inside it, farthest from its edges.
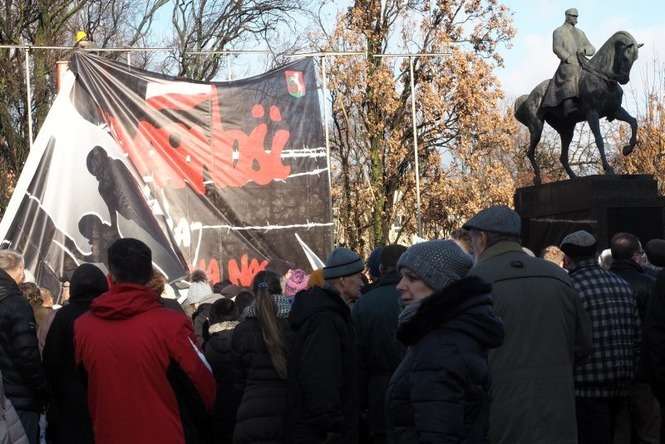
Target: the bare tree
(52, 23)
(218, 25)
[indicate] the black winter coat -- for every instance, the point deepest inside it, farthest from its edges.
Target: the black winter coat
(20, 363)
(262, 411)
(375, 317)
(641, 283)
(68, 415)
(219, 354)
(653, 332)
(323, 375)
(643, 286)
(440, 392)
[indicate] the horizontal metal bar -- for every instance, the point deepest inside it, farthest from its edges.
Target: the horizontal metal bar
(417, 54)
(230, 51)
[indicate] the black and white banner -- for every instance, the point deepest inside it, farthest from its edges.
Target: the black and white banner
(226, 177)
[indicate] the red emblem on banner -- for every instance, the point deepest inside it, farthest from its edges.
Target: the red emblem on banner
(295, 82)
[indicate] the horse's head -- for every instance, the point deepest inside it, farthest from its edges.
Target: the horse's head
(626, 52)
(617, 55)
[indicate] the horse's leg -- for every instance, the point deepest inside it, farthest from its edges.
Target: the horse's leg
(535, 131)
(624, 116)
(594, 124)
(566, 134)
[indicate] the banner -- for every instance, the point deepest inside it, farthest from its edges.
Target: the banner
(228, 177)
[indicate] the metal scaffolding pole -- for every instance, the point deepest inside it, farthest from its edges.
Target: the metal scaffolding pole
(419, 220)
(28, 95)
(326, 129)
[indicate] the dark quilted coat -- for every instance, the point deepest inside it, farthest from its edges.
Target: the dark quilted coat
(440, 392)
(219, 354)
(20, 363)
(260, 417)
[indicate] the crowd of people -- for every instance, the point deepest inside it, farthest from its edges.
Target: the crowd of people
(471, 339)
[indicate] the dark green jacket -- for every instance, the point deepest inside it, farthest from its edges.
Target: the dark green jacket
(379, 352)
(547, 332)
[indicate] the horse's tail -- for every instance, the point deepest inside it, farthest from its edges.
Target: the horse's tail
(518, 104)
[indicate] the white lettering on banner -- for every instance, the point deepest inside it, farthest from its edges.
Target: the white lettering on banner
(182, 234)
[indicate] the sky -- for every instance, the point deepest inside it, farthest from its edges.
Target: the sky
(531, 60)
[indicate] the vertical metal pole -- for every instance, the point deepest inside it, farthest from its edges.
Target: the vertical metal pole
(129, 59)
(326, 129)
(28, 95)
(415, 148)
(228, 67)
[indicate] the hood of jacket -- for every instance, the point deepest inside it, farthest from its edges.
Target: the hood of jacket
(313, 301)
(124, 301)
(465, 306)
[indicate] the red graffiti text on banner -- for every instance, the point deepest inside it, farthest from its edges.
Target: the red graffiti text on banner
(253, 163)
(174, 154)
(243, 274)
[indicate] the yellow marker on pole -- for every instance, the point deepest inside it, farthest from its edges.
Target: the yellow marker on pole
(80, 37)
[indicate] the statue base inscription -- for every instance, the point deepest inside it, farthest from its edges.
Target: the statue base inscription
(603, 205)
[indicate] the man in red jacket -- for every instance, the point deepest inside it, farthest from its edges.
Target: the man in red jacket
(130, 348)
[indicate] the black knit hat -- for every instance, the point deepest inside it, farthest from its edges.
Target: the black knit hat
(87, 283)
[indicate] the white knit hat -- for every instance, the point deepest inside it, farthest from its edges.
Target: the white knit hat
(198, 292)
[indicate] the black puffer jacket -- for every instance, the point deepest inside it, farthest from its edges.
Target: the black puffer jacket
(262, 411)
(20, 364)
(68, 415)
(219, 354)
(440, 392)
(323, 374)
(379, 352)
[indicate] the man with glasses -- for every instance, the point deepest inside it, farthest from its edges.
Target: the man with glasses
(628, 260)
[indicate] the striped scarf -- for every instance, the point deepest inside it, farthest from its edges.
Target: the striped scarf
(281, 302)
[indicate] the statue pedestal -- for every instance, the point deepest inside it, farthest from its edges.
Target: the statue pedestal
(603, 205)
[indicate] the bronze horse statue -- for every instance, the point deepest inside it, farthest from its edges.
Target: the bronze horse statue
(599, 96)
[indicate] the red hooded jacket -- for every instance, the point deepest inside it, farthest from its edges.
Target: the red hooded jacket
(125, 344)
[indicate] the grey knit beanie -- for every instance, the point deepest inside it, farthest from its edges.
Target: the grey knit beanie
(342, 262)
(438, 263)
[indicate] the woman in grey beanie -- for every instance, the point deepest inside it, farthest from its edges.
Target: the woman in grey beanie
(440, 391)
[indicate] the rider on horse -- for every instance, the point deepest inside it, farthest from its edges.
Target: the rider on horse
(568, 42)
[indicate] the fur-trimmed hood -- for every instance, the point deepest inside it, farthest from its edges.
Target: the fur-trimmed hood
(464, 306)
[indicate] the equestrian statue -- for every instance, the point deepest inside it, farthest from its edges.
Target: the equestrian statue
(582, 90)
